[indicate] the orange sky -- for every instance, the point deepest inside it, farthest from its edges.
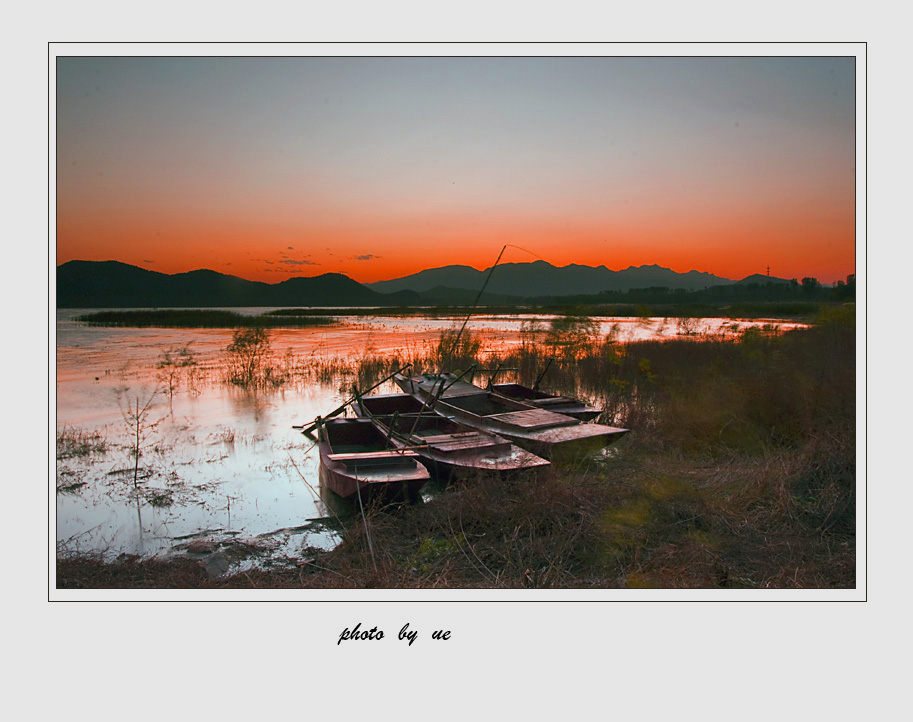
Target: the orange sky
(381, 169)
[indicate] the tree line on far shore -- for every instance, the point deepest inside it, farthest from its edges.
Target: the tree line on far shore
(808, 289)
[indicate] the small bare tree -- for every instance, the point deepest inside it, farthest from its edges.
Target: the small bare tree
(136, 411)
(174, 364)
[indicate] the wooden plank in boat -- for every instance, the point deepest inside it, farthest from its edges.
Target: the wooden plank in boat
(442, 438)
(534, 418)
(480, 442)
(462, 440)
(373, 459)
(556, 400)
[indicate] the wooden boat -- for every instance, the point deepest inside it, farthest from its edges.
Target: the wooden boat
(566, 405)
(355, 458)
(446, 447)
(543, 432)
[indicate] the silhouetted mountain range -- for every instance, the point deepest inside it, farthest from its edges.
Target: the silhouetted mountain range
(539, 278)
(111, 284)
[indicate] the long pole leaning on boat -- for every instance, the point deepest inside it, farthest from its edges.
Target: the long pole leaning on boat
(456, 341)
(427, 405)
(472, 308)
(433, 398)
(390, 429)
(540, 377)
(407, 440)
(335, 412)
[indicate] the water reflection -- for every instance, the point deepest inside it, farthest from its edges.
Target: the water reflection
(249, 404)
(140, 548)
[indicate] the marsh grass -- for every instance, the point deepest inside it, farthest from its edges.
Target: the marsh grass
(740, 472)
(456, 348)
(75, 446)
(74, 442)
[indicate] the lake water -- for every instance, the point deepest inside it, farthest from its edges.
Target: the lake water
(222, 467)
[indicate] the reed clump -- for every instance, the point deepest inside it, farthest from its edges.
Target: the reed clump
(249, 360)
(202, 318)
(456, 348)
(75, 442)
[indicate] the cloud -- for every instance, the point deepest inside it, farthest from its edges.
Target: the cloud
(366, 257)
(146, 260)
(291, 262)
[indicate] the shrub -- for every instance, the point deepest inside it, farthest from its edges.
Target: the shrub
(249, 360)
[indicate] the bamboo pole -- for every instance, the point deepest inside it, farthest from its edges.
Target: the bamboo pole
(539, 380)
(335, 412)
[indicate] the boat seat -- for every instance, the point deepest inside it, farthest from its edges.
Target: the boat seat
(373, 460)
(434, 438)
(463, 440)
(480, 442)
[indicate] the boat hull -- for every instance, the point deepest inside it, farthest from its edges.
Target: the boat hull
(369, 486)
(356, 460)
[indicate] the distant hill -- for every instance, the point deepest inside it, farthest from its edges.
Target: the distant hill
(446, 277)
(111, 284)
(540, 278)
(762, 279)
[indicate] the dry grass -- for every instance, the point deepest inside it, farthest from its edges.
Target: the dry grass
(642, 519)
(74, 442)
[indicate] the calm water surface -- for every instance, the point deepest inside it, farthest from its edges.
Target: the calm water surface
(221, 464)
